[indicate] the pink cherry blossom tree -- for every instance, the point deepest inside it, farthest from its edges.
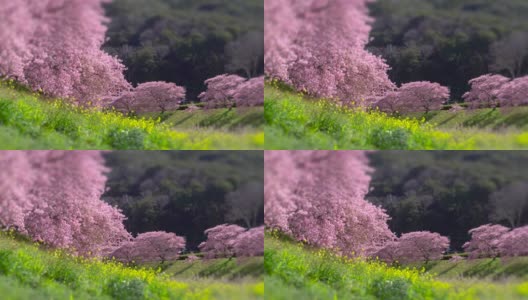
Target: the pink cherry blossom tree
(414, 246)
(17, 26)
(280, 175)
(485, 241)
(388, 253)
(318, 47)
(250, 93)
(250, 243)
(484, 90)
(514, 93)
(57, 200)
(15, 183)
(125, 252)
(221, 91)
(150, 97)
(421, 246)
(281, 24)
(226, 91)
(514, 243)
(156, 246)
(322, 202)
(390, 103)
(351, 75)
(55, 46)
(412, 97)
(221, 241)
(423, 96)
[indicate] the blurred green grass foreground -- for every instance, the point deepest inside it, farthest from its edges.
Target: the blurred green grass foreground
(295, 121)
(30, 121)
(296, 271)
(29, 271)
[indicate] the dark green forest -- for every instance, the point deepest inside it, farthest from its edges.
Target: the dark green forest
(186, 41)
(186, 192)
(450, 192)
(451, 41)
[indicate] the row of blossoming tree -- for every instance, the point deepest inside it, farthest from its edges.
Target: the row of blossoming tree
(318, 47)
(318, 197)
(54, 197)
(54, 46)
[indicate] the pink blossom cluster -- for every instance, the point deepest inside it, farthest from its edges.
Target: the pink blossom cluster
(226, 91)
(414, 246)
(250, 93)
(484, 91)
(514, 243)
(55, 198)
(485, 241)
(156, 246)
(154, 96)
(220, 241)
(514, 93)
(497, 240)
(232, 240)
(54, 46)
(319, 197)
(414, 96)
(496, 90)
(318, 47)
(250, 243)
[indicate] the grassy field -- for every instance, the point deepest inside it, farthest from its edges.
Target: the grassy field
(243, 269)
(295, 122)
(492, 119)
(29, 272)
(28, 121)
(491, 269)
(294, 271)
(244, 119)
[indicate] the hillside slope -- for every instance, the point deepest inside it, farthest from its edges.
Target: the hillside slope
(244, 269)
(29, 121)
(28, 271)
(294, 121)
(515, 268)
(499, 119)
(243, 119)
(297, 272)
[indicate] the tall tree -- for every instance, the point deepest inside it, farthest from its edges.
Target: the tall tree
(323, 201)
(59, 51)
(65, 209)
(318, 47)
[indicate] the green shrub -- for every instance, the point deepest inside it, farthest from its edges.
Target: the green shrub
(390, 139)
(394, 289)
(127, 139)
(123, 288)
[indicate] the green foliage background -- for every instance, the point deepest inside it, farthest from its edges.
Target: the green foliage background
(444, 191)
(444, 41)
(181, 41)
(184, 192)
